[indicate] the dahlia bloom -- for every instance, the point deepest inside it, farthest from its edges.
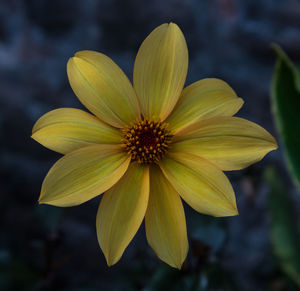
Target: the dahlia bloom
(147, 146)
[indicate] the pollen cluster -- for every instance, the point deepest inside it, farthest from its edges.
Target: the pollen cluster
(146, 141)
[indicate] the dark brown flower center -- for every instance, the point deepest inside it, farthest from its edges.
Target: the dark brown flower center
(146, 141)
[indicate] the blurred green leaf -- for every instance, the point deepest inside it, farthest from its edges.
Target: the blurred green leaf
(285, 95)
(283, 227)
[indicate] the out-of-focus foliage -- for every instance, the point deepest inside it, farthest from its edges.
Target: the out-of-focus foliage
(202, 271)
(286, 103)
(284, 237)
(213, 277)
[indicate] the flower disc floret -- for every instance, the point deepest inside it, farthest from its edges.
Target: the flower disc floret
(147, 141)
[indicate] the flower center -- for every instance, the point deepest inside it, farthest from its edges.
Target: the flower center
(146, 141)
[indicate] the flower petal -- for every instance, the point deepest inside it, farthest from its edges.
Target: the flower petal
(103, 88)
(83, 174)
(66, 129)
(160, 70)
(201, 100)
(165, 221)
(121, 212)
(231, 143)
(200, 184)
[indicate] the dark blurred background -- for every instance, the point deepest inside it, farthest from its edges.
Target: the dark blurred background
(49, 248)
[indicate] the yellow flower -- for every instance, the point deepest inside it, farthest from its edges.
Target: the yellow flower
(147, 145)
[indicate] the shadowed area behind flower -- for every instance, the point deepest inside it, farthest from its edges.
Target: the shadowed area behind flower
(47, 248)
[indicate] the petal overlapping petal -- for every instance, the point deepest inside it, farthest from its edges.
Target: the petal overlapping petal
(203, 186)
(165, 221)
(231, 143)
(83, 174)
(66, 129)
(103, 88)
(204, 99)
(160, 70)
(121, 212)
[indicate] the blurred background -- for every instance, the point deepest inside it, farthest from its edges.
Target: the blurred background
(49, 248)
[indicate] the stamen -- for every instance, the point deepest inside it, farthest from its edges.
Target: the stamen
(146, 140)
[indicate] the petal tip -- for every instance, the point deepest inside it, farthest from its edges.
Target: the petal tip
(174, 28)
(178, 267)
(177, 264)
(230, 210)
(109, 265)
(241, 101)
(73, 60)
(81, 54)
(77, 54)
(72, 63)
(229, 213)
(172, 24)
(110, 261)
(275, 146)
(42, 201)
(35, 134)
(234, 211)
(70, 60)
(46, 199)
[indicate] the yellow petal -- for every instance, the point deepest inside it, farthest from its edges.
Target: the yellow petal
(201, 100)
(165, 221)
(66, 129)
(83, 174)
(160, 70)
(231, 143)
(200, 184)
(103, 88)
(121, 212)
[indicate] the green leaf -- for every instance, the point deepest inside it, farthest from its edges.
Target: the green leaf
(283, 227)
(285, 95)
